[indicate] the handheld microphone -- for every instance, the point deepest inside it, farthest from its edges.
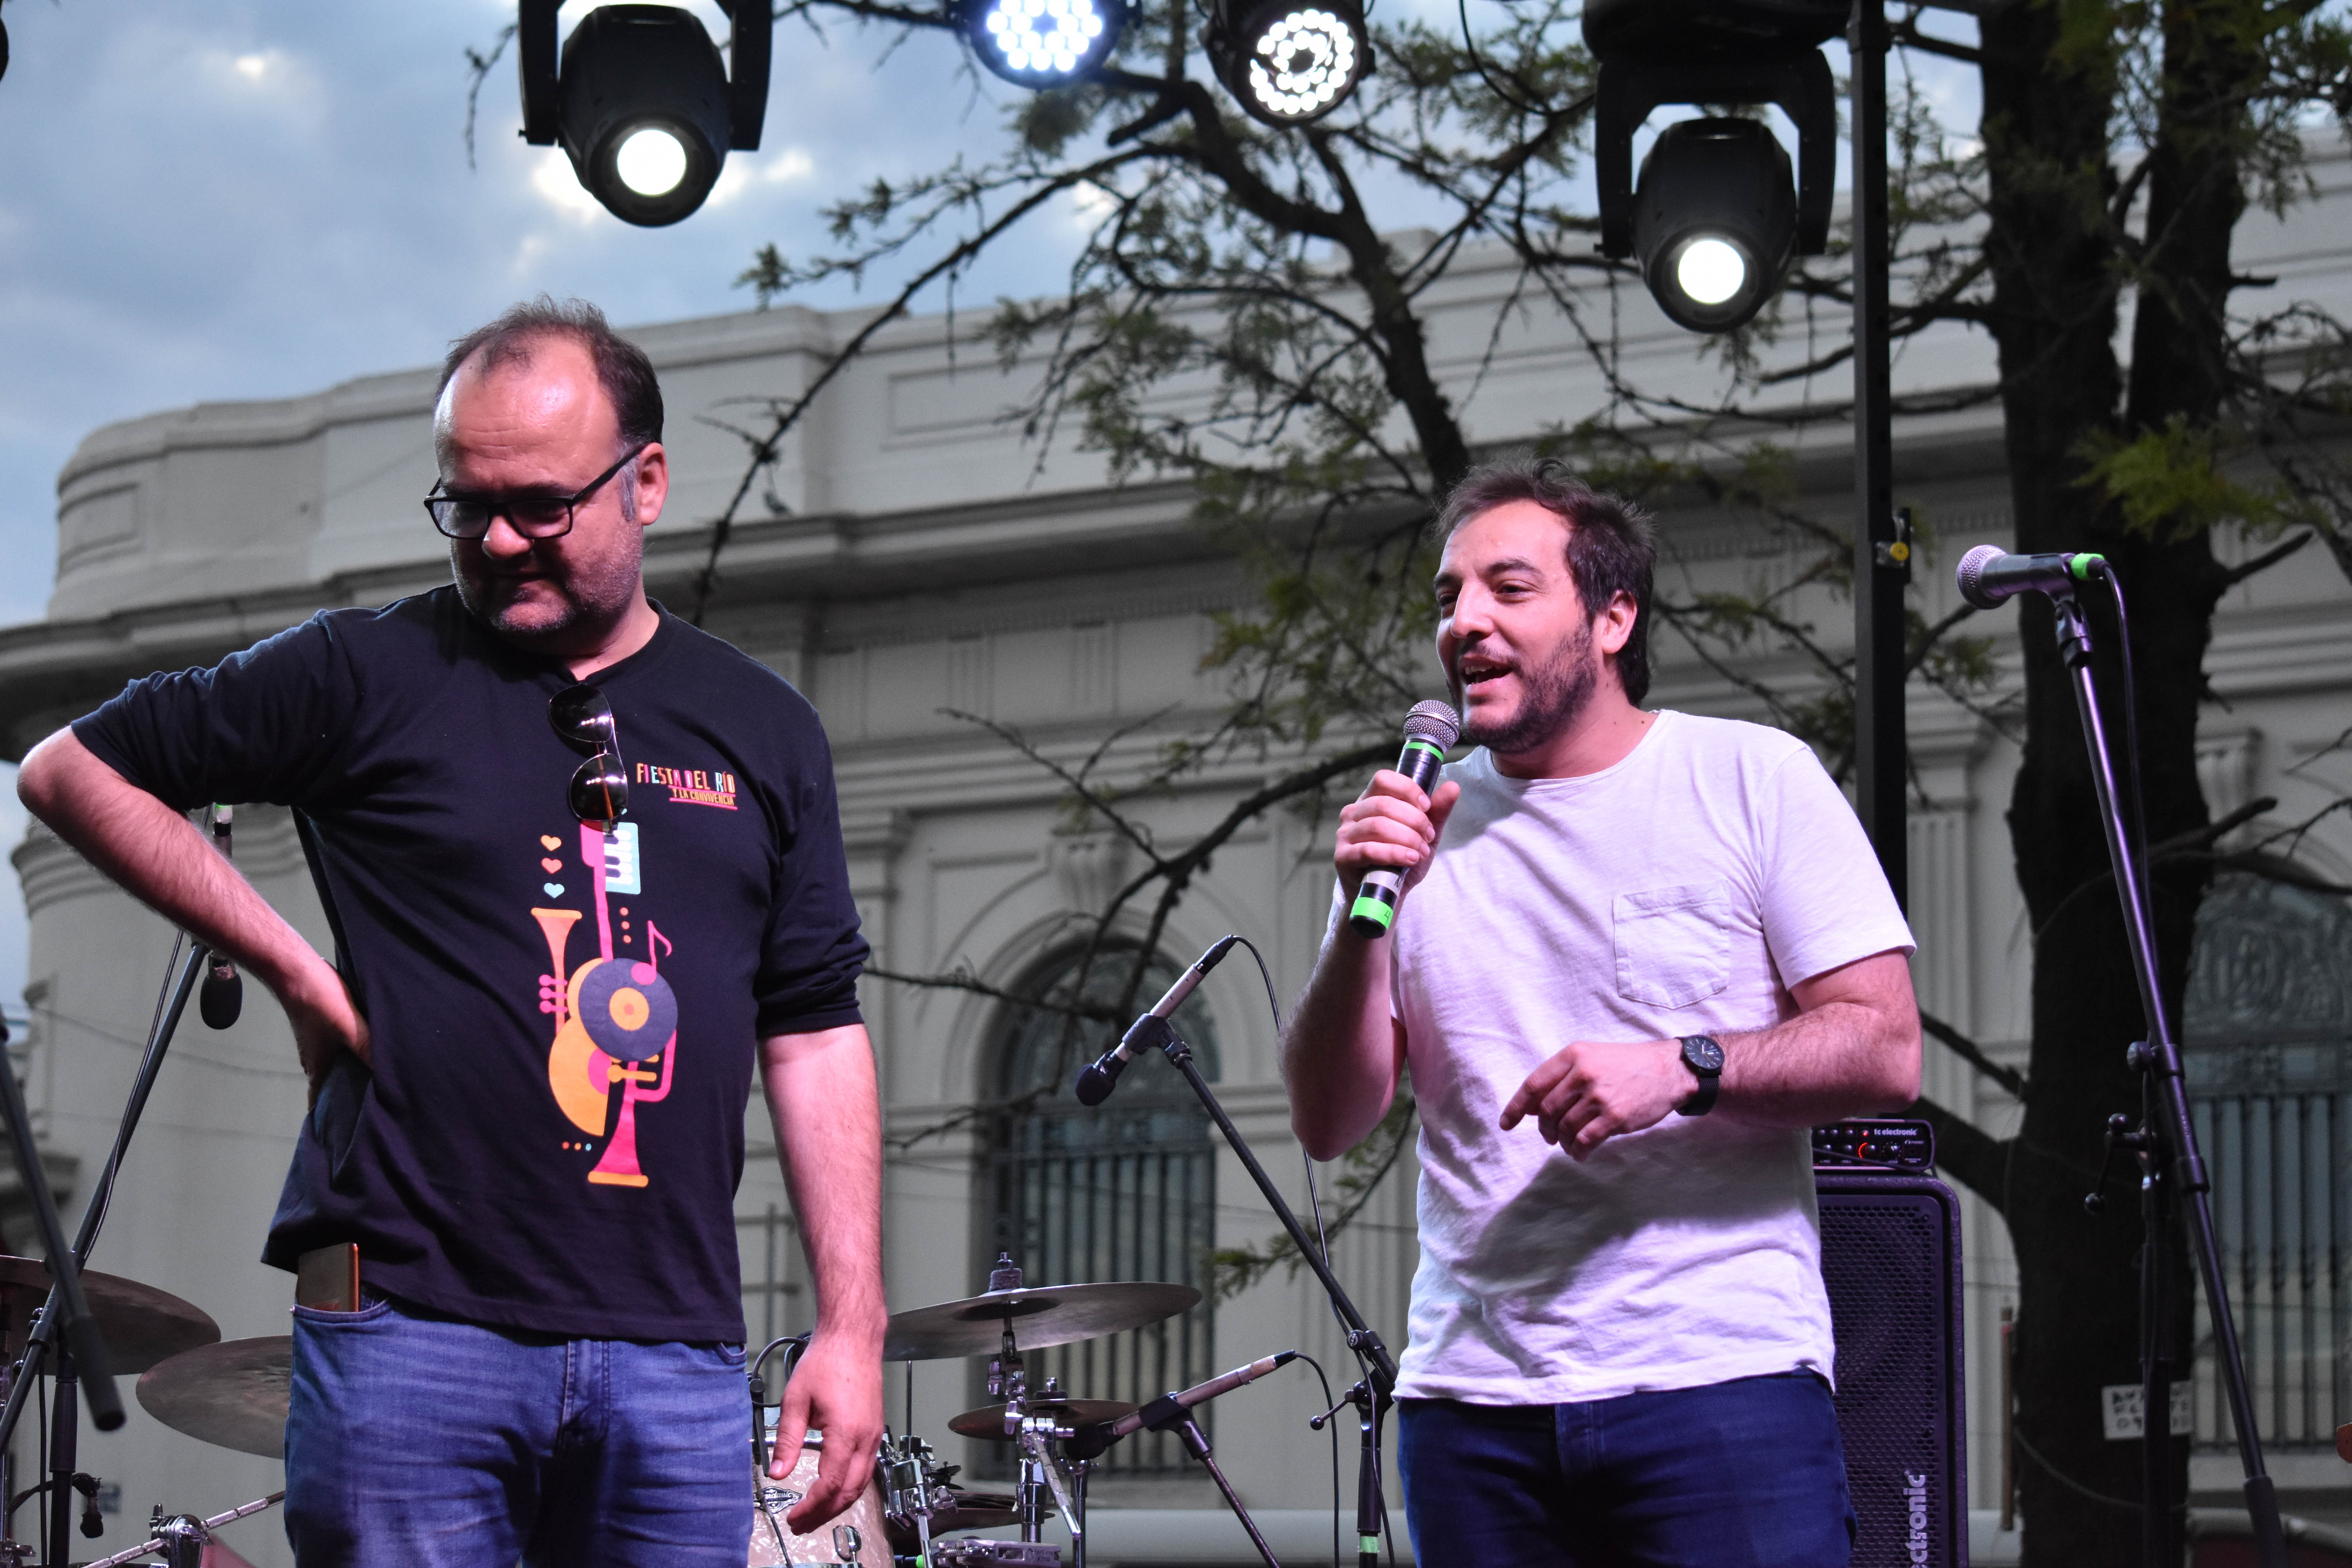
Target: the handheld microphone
(1429, 729)
(1988, 574)
(223, 996)
(1164, 1411)
(1101, 1074)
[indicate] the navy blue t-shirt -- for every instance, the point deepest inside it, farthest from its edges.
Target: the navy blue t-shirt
(564, 1025)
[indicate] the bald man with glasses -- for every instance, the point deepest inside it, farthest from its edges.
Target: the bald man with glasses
(529, 1055)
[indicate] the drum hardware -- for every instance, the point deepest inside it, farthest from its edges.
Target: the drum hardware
(979, 1552)
(183, 1537)
(65, 1313)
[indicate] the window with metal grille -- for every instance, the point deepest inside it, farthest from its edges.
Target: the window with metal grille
(2267, 1048)
(1124, 1190)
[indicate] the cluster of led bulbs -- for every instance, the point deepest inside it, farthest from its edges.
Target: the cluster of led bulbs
(1302, 65)
(1032, 38)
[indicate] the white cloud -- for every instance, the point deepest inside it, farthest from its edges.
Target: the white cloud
(559, 188)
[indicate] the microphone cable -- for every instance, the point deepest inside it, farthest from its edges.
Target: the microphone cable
(2106, 572)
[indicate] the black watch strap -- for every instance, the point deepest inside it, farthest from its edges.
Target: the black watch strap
(1703, 1054)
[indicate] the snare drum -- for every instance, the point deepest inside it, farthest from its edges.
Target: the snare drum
(856, 1537)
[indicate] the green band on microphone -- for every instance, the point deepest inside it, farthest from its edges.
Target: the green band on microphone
(1371, 906)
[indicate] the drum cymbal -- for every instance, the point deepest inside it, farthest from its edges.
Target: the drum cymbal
(232, 1393)
(140, 1324)
(988, 1421)
(1038, 1316)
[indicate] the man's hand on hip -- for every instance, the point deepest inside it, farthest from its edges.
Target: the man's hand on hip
(837, 1389)
(1595, 1089)
(326, 1022)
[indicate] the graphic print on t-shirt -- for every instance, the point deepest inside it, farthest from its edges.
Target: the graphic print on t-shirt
(617, 1019)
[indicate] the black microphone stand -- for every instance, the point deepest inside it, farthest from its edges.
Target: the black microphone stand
(2165, 1136)
(54, 1319)
(1376, 1391)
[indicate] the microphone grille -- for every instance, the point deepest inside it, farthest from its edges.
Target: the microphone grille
(1971, 571)
(1433, 721)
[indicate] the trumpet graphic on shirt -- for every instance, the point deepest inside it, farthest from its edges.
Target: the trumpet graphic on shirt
(616, 1023)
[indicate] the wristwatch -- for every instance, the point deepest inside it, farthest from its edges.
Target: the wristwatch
(1704, 1055)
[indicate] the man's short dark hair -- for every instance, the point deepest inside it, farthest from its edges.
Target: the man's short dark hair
(622, 368)
(1611, 549)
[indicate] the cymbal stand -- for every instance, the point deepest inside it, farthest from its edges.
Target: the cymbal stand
(1040, 1467)
(1377, 1390)
(2166, 1142)
(56, 1318)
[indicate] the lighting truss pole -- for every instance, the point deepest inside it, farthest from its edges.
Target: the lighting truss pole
(1882, 548)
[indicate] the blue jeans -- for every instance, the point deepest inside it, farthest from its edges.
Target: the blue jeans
(427, 1443)
(1739, 1473)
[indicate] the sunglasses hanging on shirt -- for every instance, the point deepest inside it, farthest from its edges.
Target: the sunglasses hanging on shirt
(599, 792)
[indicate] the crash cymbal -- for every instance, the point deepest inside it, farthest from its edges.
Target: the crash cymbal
(232, 1393)
(140, 1324)
(1038, 1316)
(989, 1420)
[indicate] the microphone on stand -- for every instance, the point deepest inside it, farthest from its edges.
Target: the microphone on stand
(223, 996)
(1429, 729)
(1988, 574)
(1166, 1409)
(1101, 1074)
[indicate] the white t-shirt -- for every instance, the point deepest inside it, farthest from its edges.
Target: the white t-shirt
(1681, 891)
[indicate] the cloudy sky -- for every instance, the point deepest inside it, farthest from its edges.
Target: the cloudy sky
(215, 199)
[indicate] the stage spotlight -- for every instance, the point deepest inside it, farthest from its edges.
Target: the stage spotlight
(1715, 221)
(641, 101)
(1041, 43)
(1289, 63)
(1718, 215)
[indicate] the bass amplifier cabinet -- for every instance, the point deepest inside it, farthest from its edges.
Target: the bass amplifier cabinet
(1891, 1260)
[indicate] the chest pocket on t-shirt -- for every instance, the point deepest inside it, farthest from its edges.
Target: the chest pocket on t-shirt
(1674, 945)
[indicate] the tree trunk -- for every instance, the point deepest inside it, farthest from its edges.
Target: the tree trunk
(2049, 88)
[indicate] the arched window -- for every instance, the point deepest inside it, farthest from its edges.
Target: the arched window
(1124, 1191)
(2267, 1035)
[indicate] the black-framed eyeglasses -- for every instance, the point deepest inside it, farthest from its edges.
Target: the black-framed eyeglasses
(599, 792)
(467, 514)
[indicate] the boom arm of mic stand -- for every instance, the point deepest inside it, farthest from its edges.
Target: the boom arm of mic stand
(37, 1344)
(1360, 1337)
(1378, 1387)
(2161, 1064)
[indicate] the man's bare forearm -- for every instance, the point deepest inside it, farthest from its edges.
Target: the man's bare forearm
(162, 858)
(1853, 1051)
(822, 1102)
(1341, 1055)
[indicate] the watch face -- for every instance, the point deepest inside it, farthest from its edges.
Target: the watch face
(1702, 1054)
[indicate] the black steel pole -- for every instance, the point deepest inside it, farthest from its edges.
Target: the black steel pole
(1882, 562)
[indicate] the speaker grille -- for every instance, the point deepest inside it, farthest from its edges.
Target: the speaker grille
(1890, 1258)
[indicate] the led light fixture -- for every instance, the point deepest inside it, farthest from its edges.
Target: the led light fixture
(642, 102)
(1289, 61)
(1041, 43)
(1715, 221)
(1718, 215)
